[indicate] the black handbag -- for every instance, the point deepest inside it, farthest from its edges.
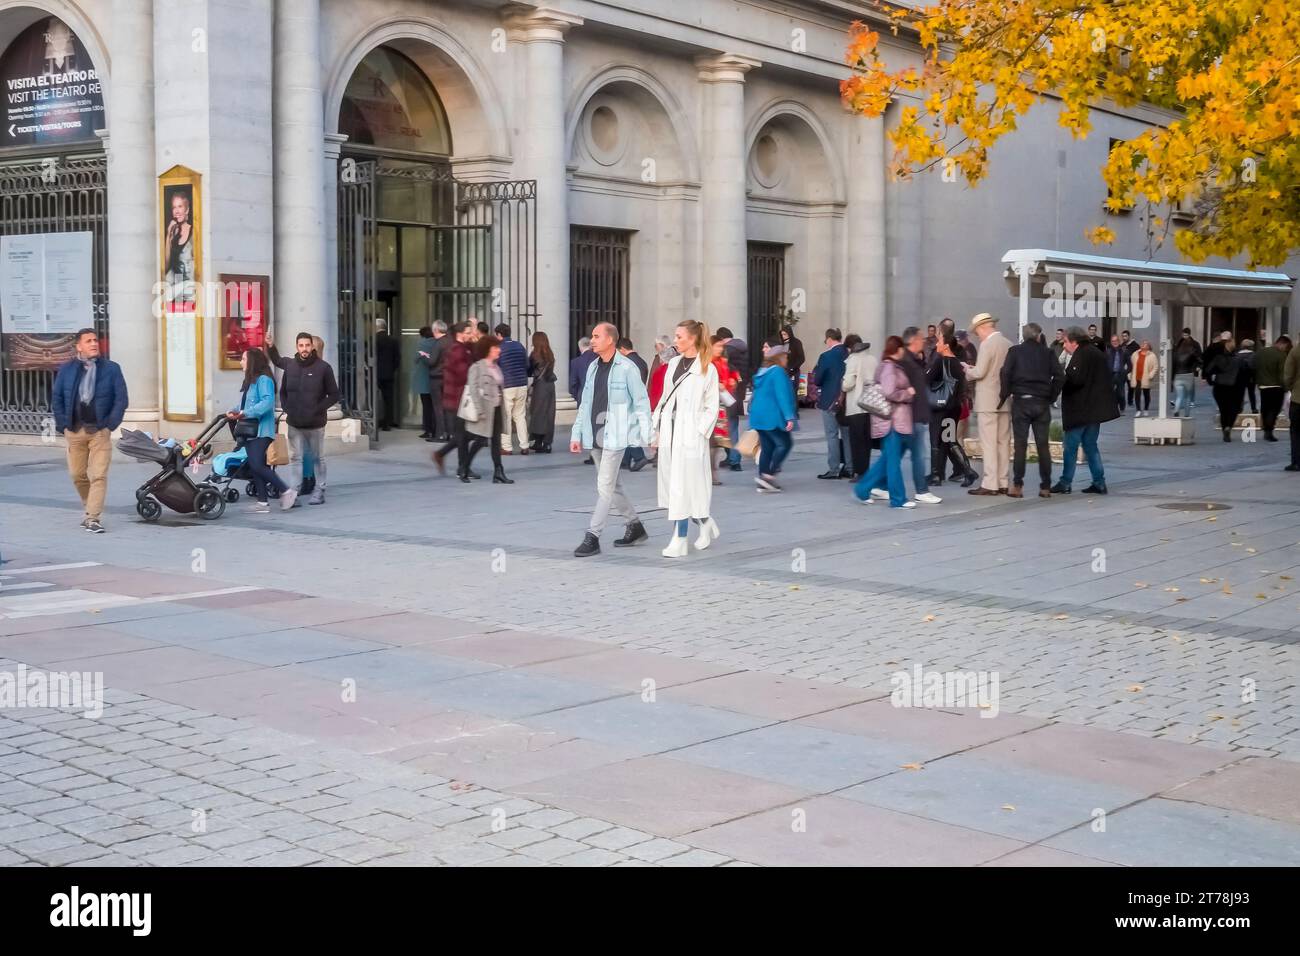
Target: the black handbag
(941, 392)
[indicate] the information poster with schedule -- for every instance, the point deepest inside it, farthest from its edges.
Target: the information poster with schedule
(45, 283)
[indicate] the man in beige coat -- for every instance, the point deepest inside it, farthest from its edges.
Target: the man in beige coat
(992, 418)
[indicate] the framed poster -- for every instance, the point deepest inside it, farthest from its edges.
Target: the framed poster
(45, 296)
(245, 316)
(181, 265)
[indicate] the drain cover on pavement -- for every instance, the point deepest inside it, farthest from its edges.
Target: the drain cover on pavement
(1195, 506)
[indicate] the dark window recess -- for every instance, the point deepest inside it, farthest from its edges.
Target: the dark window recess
(600, 265)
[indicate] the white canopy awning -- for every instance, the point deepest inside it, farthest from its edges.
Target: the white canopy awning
(1171, 282)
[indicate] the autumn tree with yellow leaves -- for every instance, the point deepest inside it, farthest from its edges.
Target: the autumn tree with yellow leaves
(1228, 69)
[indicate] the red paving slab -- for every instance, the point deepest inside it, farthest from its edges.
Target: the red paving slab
(1260, 786)
(659, 795)
(829, 831)
(1100, 756)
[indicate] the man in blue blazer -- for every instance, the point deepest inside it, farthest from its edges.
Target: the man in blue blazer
(89, 400)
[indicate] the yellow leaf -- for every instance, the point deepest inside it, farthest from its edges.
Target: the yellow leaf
(1008, 806)
(1061, 617)
(1215, 717)
(1136, 688)
(1209, 580)
(1251, 551)
(1262, 597)
(1171, 589)
(795, 587)
(1141, 584)
(912, 766)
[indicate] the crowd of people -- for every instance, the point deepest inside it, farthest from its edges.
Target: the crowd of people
(920, 398)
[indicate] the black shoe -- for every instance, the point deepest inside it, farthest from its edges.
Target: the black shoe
(544, 450)
(1292, 468)
(426, 436)
(499, 477)
(1269, 436)
(1227, 434)
(845, 472)
(1095, 490)
(588, 461)
(633, 533)
(463, 477)
(736, 467)
(830, 475)
(590, 545)
(638, 464)
(970, 479)
(1060, 489)
(429, 438)
(474, 474)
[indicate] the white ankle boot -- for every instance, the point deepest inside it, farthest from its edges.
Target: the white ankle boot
(677, 547)
(708, 534)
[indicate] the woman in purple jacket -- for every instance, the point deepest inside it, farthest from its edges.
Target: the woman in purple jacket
(892, 380)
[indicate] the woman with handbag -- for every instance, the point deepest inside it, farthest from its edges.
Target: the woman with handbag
(541, 398)
(773, 415)
(859, 372)
(890, 402)
(255, 425)
(480, 408)
(684, 420)
(947, 397)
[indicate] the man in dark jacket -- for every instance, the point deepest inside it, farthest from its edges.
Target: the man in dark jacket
(1270, 363)
(1087, 401)
(456, 360)
(307, 391)
(1032, 379)
(1186, 361)
(1130, 346)
(388, 358)
(736, 352)
(827, 376)
(89, 399)
(578, 368)
(427, 380)
(1118, 364)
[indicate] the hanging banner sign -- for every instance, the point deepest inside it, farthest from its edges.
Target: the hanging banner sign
(52, 92)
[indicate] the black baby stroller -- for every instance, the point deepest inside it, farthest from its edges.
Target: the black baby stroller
(172, 486)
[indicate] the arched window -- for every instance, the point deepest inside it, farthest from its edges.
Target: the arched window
(390, 104)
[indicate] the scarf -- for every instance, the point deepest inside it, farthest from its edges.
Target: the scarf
(86, 391)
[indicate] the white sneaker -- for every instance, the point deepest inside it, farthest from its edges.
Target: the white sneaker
(880, 494)
(909, 504)
(677, 547)
(287, 498)
(928, 499)
(709, 533)
(865, 501)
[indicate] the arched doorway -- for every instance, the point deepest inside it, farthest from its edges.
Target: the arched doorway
(53, 208)
(416, 244)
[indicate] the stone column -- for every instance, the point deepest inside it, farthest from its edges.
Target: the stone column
(542, 154)
(304, 297)
(134, 330)
(722, 206)
(330, 199)
(867, 273)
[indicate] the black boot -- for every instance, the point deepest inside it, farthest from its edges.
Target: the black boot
(961, 465)
(1227, 434)
(633, 533)
(499, 477)
(590, 545)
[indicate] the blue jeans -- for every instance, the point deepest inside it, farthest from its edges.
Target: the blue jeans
(733, 432)
(1087, 434)
(887, 467)
(776, 444)
(1184, 392)
(917, 447)
(837, 437)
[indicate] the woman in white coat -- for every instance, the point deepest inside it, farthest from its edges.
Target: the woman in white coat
(683, 424)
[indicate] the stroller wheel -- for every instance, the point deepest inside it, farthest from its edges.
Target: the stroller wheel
(232, 495)
(250, 489)
(209, 504)
(148, 509)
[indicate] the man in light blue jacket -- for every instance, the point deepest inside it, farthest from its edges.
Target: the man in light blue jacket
(613, 415)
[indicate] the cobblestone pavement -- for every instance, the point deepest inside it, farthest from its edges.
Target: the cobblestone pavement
(1107, 621)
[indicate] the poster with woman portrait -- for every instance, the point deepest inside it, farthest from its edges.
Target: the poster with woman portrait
(180, 296)
(245, 304)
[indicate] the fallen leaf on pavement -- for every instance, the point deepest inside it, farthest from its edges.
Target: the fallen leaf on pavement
(928, 618)
(1141, 584)
(1171, 589)
(1008, 806)
(1061, 617)
(912, 766)
(1135, 688)
(1209, 580)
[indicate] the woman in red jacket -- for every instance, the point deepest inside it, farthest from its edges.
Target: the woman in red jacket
(727, 382)
(457, 358)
